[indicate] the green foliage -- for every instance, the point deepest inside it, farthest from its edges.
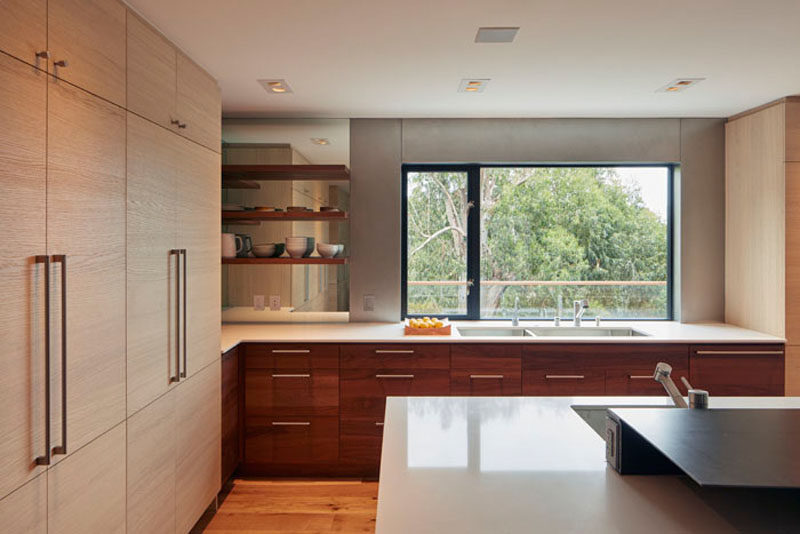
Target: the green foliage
(541, 224)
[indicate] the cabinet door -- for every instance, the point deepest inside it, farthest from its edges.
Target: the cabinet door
(751, 370)
(23, 29)
(231, 394)
(291, 392)
(86, 491)
(151, 73)
(630, 368)
(198, 232)
(86, 222)
(198, 104)
(364, 391)
(487, 369)
(23, 114)
(152, 449)
(555, 370)
(198, 431)
(25, 510)
(152, 303)
(90, 36)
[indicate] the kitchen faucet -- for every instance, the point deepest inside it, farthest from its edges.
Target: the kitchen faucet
(515, 315)
(580, 307)
(662, 376)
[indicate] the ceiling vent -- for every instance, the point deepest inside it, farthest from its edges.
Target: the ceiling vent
(681, 84)
(496, 34)
(473, 85)
(276, 86)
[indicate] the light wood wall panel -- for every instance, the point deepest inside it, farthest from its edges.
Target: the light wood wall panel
(25, 510)
(23, 29)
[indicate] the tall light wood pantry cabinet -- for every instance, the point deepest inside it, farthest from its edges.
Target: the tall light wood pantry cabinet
(109, 273)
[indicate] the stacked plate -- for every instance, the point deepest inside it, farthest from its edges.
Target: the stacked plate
(299, 247)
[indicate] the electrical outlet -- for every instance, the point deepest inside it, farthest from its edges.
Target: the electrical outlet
(275, 302)
(258, 302)
(369, 303)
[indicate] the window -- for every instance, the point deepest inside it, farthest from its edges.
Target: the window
(478, 239)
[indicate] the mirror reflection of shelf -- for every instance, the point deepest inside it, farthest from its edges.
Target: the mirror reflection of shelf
(286, 172)
(284, 261)
(234, 183)
(254, 217)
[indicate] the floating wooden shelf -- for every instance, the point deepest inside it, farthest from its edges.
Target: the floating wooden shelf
(284, 261)
(253, 217)
(232, 183)
(285, 172)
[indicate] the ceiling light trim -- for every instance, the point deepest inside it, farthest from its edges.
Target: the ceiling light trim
(276, 86)
(496, 34)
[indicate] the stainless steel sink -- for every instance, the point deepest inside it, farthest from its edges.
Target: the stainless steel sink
(493, 331)
(586, 331)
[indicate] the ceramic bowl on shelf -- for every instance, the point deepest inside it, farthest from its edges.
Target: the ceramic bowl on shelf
(309, 246)
(264, 250)
(329, 208)
(328, 250)
(297, 246)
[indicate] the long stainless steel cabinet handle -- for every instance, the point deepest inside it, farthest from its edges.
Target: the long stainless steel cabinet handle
(394, 376)
(291, 423)
(177, 377)
(640, 377)
(185, 291)
(564, 377)
(291, 351)
(478, 377)
(292, 376)
(62, 259)
(740, 352)
(45, 460)
(383, 351)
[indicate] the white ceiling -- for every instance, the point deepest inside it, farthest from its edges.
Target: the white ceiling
(571, 58)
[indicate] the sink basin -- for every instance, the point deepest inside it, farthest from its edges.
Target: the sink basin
(595, 416)
(481, 331)
(586, 331)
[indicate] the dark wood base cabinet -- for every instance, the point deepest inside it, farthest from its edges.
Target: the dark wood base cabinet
(317, 409)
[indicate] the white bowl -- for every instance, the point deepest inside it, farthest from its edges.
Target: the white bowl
(296, 251)
(264, 250)
(327, 250)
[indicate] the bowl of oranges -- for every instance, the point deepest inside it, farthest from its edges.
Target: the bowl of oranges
(427, 326)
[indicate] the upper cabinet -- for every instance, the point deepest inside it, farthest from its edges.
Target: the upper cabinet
(86, 39)
(169, 89)
(23, 30)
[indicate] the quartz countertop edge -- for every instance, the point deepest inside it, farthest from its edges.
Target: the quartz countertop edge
(658, 332)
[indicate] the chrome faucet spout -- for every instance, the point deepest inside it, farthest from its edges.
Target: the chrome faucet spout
(662, 376)
(515, 316)
(580, 307)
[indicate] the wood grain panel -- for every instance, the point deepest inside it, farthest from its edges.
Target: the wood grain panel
(292, 356)
(86, 492)
(231, 414)
(755, 215)
(395, 355)
(198, 438)
(151, 234)
(25, 510)
(198, 104)
(793, 130)
(23, 94)
(86, 221)
(291, 392)
(151, 73)
(90, 36)
(360, 441)
(485, 369)
(23, 30)
(287, 440)
(792, 366)
(792, 246)
(364, 391)
(151, 458)
(752, 370)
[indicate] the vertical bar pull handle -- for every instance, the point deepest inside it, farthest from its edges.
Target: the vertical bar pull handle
(177, 376)
(185, 287)
(45, 460)
(62, 259)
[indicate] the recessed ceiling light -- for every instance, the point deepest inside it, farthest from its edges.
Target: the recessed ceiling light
(681, 84)
(276, 86)
(320, 140)
(473, 85)
(489, 34)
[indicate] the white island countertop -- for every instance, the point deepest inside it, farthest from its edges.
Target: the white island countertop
(501, 465)
(657, 332)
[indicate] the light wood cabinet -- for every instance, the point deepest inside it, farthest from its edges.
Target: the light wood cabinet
(198, 104)
(90, 36)
(86, 492)
(86, 222)
(23, 93)
(23, 30)
(25, 510)
(151, 73)
(151, 460)
(198, 438)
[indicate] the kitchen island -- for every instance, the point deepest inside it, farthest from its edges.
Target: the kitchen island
(531, 464)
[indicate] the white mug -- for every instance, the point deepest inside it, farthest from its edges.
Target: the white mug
(228, 245)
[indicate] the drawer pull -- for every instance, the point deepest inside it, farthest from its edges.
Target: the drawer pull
(478, 377)
(292, 376)
(291, 351)
(741, 352)
(564, 377)
(291, 423)
(382, 351)
(395, 376)
(640, 377)
(378, 423)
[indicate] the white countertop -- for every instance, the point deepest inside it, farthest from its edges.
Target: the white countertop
(659, 332)
(497, 465)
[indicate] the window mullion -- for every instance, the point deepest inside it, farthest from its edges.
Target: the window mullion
(474, 242)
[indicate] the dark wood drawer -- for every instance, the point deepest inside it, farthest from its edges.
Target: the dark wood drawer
(489, 356)
(563, 381)
(485, 369)
(751, 370)
(630, 371)
(292, 440)
(291, 356)
(291, 392)
(396, 356)
(360, 440)
(364, 391)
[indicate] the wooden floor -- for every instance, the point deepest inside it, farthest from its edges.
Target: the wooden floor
(296, 506)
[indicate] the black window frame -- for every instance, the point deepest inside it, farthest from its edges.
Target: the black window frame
(473, 171)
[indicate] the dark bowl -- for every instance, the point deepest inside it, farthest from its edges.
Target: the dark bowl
(310, 245)
(280, 248)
